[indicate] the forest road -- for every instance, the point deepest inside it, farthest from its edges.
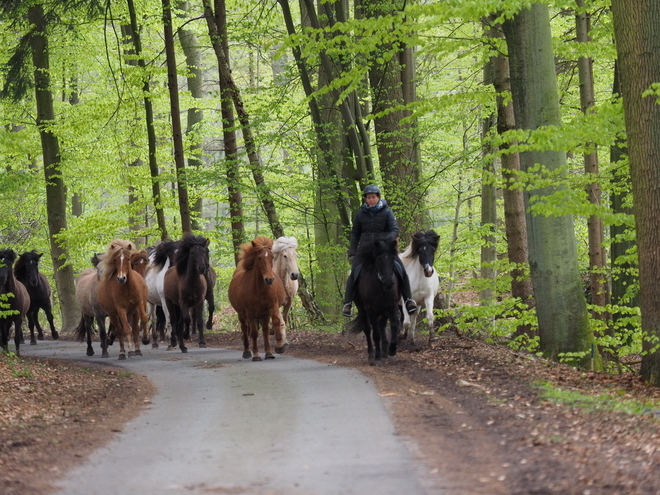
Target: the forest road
(219, 424)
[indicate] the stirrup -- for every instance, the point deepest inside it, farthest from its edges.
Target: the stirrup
(411, 306)
(346, 311)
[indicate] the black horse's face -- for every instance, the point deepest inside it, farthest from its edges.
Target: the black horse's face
(4, 272)
(385, 270)
(200, 259)
(426, 256)
(32, 270)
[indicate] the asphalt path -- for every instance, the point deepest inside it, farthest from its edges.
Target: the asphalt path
(219, 424)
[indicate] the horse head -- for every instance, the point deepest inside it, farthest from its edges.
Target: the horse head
(424, 245)
(286, 256)
(7, 258)
(384, 253)
(139, 261)
(116, 260)
(27, 267)
(192, 253)
(258, 255)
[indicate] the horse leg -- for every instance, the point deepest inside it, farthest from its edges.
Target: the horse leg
(183, 327)
(103, 336)
(254, 336)
(211, 302)
(279, 325)
(430, 316)
(384, 341)
(18, 327)
(144, 320)
(51, 323)
(394, 327)
(120, 324)
(245, 332)
(265, 330)
(30, 317)
(87, 325)
(199, 322)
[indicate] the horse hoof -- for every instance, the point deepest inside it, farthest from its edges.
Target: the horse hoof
(105, 355)
(138, 352)
(170, 348)
(256, 358)
(202, 345)
(131, 353)
(90, 352)
(154, 345)
(281, 350)
(33, 342)
(122, 357)
(55, 335)
(184, 350)
(247, 354)
(269, 355)
(186, 335)
(40, 337)
(209, 325)
(146, 341)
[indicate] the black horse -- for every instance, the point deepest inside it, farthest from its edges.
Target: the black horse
(377, 296)
(14, 302)
(27, 272)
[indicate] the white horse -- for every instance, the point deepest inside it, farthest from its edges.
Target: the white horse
(285, 265)
(159, 262)
(418, 261)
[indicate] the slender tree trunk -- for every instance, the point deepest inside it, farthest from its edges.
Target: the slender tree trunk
(560, 303)
(55, 192)
(594, 223)
(175, 111)
(514, 203)
(637, 33)
(149, 119)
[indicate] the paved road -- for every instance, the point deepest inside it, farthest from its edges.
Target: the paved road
(222, 425)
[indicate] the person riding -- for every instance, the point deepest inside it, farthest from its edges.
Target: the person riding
(374, 217)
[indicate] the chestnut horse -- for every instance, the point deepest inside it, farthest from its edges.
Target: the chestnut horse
(185, 288)
(14, 302)
(27, 272)
(256, 293)
(123, 294)
(285, 264)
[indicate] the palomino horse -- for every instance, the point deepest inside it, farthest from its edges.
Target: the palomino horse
(14, 299)
(160, 261)
(285, 265)
(418, 261)
(256, 293)
(122, 293)
(377, 296)
(27, 272)
(185, 288)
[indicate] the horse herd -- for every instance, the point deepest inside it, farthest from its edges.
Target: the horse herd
(175, 278)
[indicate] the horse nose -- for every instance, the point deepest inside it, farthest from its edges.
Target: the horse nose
(34, 281)
(121, 279)
(294, 276)
(268, 280)
(428, 270)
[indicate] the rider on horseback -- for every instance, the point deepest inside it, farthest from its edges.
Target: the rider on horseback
(374, 217)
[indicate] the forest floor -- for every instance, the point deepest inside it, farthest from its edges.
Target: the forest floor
(478, 417)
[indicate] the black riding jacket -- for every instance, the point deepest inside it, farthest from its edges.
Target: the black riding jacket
(367, 223)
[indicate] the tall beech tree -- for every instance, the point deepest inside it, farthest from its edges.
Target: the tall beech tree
(638, 55)
(560, 303)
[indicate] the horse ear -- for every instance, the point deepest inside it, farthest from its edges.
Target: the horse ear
(39, 255)
(206, 243)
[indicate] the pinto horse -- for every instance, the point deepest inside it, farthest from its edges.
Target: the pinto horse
(377, 296)
(285, 265)
(26, 271)
(122, 293)
(160, 261)
(14, 302)
(185, 288)
(256, 293)
(418, 261)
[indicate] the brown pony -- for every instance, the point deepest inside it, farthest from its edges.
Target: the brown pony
(256, 293)
(14, 301)
(185, 288)
(123, 294)
(87, 287)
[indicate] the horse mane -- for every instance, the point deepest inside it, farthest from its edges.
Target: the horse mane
(8, 256)
(249, 251)
(283, 243)
(115, 249)
(20, 268)
(423, 236)
(183, 250)
(162, 252)
(371, 248)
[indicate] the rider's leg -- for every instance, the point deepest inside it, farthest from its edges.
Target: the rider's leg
(350, 287)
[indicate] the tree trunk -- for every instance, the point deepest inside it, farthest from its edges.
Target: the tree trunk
(594, 223)
(514, 203)
(175, 111)
(55, 194)
(637, 33)
(149, 119)
(560, 303)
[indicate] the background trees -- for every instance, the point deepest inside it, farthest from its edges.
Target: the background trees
(329, 97)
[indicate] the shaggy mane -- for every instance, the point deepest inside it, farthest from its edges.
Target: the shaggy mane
(20, 268)
(183, 250)
(283, 243)
(115, 249)
(163, 252)
(250, 250)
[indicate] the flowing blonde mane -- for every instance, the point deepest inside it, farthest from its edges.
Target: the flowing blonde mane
(115, 249)
(283, 243)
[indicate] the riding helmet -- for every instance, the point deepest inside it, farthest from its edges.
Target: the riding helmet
(371, 189)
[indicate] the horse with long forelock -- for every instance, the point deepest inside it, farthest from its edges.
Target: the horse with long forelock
(14, 302)
(122, 293)
(418, 259)
(377, 296)
(185, 288)
(26, 271)
(160, 261)
(285, 265)
(256, 293)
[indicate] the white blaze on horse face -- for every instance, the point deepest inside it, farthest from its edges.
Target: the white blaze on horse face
(121, 276)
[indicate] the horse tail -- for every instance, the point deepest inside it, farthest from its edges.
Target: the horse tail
(80, 331)
(355, 326)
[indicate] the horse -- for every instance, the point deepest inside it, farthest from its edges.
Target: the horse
(418, 261)
(14, 302)
(256, 293)
(285, 265)
(377, 296)
(185, 288)
(26, 271)
(160, 261)
(211, 278)
(122, 293)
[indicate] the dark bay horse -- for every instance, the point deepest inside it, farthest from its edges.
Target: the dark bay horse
(122, 293)
(418, 259)
(256, 293)
(27, 272)
(14, 302)
(185, 288)
(377, 296)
